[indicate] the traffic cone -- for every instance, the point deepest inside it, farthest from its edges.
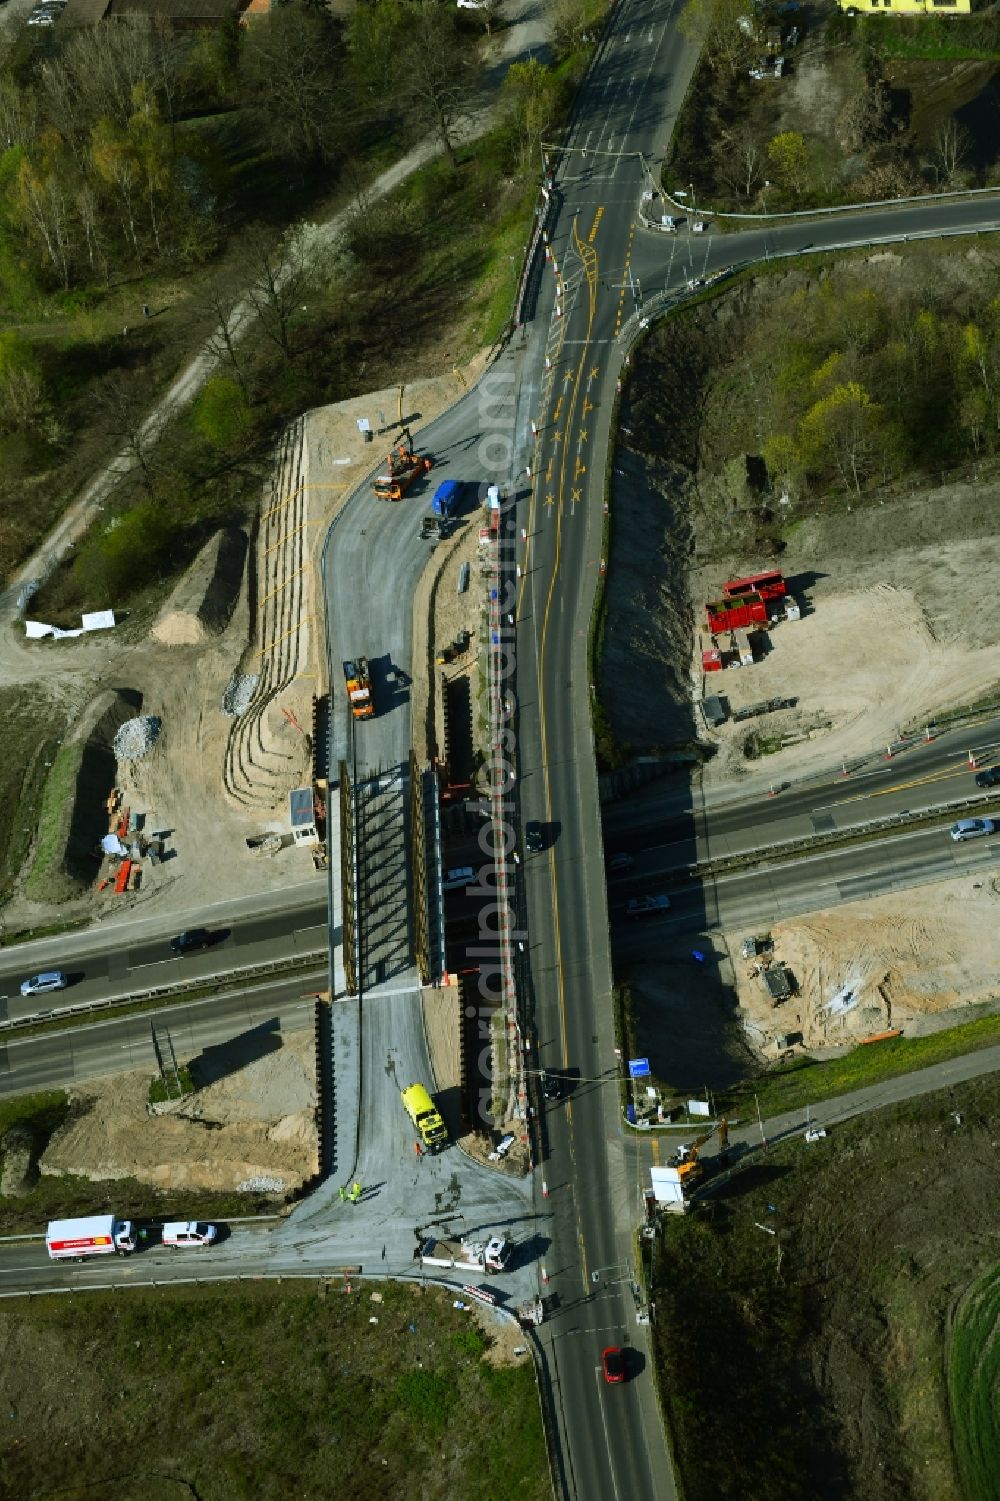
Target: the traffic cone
(545, 1278)
(545, 1189)
(972, 759)
(888, 753)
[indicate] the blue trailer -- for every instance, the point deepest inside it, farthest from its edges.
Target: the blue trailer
(446, 498)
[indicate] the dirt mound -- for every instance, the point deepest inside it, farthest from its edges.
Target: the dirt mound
(203, 601)
(257, 1123)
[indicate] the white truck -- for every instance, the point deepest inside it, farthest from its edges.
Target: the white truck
(490, 1255)
(96, 1235)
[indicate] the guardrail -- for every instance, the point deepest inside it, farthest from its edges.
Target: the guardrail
(156, 992)
(822, 840)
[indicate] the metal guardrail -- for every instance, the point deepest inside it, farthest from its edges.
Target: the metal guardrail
(137, 997)
(820, 840)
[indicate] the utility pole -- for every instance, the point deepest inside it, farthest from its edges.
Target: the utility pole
(763, 1138)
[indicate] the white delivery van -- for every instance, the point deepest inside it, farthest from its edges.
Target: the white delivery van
(188, 1233)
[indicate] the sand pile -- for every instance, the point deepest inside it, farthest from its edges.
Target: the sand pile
(202, 603)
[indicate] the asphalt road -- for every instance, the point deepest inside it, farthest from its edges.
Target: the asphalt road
(256, 1018)
(675, 819)
(118, 960)
(612, 1437)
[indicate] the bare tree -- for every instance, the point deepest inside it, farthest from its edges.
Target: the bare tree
(119, 405)
(281, 276)
(222, 304)
(742, 162)
(951, 146)
(436, 87)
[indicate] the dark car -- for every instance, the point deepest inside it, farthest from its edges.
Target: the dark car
(988, 777)
(551, 1085)
(191, 940)
(534, 837)
(613, 1363)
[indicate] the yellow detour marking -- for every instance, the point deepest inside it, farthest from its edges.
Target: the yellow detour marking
(596, 225)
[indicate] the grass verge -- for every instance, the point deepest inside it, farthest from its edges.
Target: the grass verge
(29, 732)
(973, 1368)
(793, 1086)
(264, 1392)
(815, 1283)
(53, 824)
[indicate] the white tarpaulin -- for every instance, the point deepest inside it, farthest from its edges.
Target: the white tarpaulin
(35, 629)
(112, 845)
(97, 620)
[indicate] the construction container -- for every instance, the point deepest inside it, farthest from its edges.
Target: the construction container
(711, 661)
(770, 585)
(726, 615)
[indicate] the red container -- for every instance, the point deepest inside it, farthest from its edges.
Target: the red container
(711, 661)
(731, 614)
(769, 585)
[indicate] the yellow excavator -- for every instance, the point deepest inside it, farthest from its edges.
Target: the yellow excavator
(689, 1169)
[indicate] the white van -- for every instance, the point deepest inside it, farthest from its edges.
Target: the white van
(188, 1233)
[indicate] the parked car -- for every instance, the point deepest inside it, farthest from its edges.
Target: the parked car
(181, 1233)
(534, 836)
(988, 777)
(643, 906)
(52, 979)
(971, 828)
(458, 879)
(613, 1363)
(191, 940)
(619, 863)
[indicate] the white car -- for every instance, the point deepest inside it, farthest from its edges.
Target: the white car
(644, 906)
(971, 828)
(52, 979)
(181, 1233)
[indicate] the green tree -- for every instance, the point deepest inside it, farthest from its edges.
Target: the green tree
(530, 94)
(221, 413)
(849, 432)
(24, 402)
(789, 155)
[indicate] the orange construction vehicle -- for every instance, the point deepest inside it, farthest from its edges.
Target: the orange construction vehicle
(689, 1169)
(359, 688)
(403, 466)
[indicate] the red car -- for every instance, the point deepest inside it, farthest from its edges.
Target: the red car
(613, 1362)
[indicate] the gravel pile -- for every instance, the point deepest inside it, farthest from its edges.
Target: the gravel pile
(136, 737)
(239, 693)
(261, 1185)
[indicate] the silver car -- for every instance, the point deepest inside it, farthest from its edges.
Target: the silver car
(971, 828)
(52, 979)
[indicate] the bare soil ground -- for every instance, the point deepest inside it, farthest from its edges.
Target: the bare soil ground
(891, 961)
(893, 633)
(181, 662)
(256, 1123)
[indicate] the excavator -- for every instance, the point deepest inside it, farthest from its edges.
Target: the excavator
(689, 1170)
(403, 466)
